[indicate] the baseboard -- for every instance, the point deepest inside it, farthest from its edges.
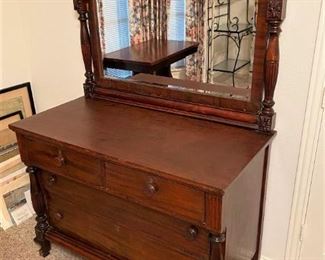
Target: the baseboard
(265, 258)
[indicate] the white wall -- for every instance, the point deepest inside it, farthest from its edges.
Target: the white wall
(15, 63)
(313, 237)
(305, 235)
(1, 37)
(297, 49)
(41, 44)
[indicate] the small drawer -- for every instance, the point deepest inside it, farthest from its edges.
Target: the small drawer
(64, 161)
(155, 192)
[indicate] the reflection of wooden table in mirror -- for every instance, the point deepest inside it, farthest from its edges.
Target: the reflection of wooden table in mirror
(154, 56)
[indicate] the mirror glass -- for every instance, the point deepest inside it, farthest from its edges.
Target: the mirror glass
(177, 44)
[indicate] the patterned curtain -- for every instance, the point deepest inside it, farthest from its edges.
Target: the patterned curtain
(195, 17)
(148, 20)
(101, 21)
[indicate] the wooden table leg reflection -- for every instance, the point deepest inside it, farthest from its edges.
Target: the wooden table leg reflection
(165, 71)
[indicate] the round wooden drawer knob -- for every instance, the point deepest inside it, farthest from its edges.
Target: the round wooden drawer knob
(152, 188)
(58, 216)
(59, 160)
(192, 232)
(52, 180)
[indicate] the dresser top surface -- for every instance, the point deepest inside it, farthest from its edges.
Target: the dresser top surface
(196, 151)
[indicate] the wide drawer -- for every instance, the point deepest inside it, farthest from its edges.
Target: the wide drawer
(64, 161)
(115, 225)
(155, 192)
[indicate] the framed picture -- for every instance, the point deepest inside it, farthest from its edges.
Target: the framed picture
(8, 141)
(17, 98)
(16, 103)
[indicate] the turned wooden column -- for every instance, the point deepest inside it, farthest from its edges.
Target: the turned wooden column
(274, 17)
(81, 6)
(40, 209)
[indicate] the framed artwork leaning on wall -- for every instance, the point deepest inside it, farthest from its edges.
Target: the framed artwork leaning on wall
(16, 103)
(8, 141)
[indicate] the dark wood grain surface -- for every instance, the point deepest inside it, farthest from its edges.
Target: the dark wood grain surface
(155, 192)
(113, 224)
(194, 86)
(66, 162)
(195, 151)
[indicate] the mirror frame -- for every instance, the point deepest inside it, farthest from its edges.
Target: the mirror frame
(258, 113)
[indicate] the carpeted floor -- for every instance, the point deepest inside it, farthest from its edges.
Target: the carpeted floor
(17, 243)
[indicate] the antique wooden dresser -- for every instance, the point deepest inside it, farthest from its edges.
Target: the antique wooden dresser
(136, 171)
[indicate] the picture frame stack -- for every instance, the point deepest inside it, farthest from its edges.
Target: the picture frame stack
(16, 103)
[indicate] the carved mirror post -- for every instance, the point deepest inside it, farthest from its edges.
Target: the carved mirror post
(275, 17)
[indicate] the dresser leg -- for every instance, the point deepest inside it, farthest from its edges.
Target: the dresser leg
(40, 239)
(39, 207)
(217, 246)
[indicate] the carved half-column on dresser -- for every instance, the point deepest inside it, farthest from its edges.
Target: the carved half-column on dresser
(38, 201)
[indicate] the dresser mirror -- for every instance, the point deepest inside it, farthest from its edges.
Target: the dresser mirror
(210, 42)
(207, 58)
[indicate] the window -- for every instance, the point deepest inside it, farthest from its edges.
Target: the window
(176, 22)
(117, 33)
(176, 25)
